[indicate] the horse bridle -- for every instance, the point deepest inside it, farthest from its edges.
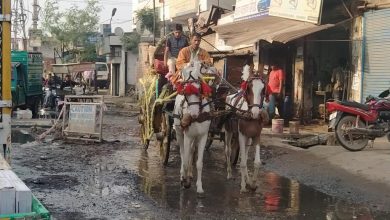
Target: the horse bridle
(192, 79)
(262, 93)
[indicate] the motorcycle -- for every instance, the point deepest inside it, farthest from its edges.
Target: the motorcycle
(355, 124)
(50, 98)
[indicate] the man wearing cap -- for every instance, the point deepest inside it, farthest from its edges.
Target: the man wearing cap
(174, 44)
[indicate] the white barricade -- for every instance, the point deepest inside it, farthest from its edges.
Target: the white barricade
(83, 117)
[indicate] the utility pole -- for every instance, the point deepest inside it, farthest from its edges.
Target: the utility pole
(15, 24)
(163, 11)
(35, 22)
(23, 23)
(154, 22)
(5, 71)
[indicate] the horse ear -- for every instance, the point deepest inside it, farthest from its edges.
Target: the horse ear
(246, 73)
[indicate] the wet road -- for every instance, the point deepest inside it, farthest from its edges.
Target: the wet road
(275, 198)
(119, 180)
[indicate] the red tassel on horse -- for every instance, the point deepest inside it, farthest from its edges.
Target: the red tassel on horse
(179, 88)
(191, 90)
(206, 89)
(244, 86)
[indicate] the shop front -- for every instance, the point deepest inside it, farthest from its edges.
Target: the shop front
(308, 50)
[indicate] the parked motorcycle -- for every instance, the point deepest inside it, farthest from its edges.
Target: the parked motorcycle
(355, 124)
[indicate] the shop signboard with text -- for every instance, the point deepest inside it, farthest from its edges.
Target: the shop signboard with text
(246, 9)
(302, 10)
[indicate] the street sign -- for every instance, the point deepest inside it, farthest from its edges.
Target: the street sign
(82, 118)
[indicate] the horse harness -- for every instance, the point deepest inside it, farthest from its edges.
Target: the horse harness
(243, 95)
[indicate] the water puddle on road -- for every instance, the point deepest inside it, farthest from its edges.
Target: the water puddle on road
(21, 136)
(276, 197)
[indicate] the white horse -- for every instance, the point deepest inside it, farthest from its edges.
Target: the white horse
(251, 117)
(191, 129)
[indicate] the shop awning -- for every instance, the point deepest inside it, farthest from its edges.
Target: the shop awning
(267, 28)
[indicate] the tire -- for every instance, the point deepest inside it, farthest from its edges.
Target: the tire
(165, 142)
(358, 143)
(36, 106)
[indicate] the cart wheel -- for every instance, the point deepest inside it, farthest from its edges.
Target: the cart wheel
(165, 141)
(235, 150)
(143, 131)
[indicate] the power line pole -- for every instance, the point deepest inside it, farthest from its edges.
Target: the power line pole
(154, 22)
(35, 21)
(163, 15)
(23, 23)
(5, 75)
(15, 24)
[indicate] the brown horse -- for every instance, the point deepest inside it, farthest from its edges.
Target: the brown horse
(251, 117)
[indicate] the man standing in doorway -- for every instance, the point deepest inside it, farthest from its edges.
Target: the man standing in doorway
(173, 45)
(338, 79)
(275, 89)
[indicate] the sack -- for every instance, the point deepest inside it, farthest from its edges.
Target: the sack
(160, 67)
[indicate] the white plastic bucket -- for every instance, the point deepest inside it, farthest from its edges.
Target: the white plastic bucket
(277, 126)
(294, 127)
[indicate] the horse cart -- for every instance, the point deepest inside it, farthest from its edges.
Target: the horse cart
(157, 98)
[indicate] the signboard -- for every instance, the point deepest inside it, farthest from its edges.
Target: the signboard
(251, 8)
(82, 118)
(307, 10)
(35, 37)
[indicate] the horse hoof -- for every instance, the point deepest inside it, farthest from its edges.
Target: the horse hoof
(200, 194)
(243, 190)
(186, 184)
(252, 187)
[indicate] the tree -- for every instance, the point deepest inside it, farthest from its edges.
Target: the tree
(131, 41)
(145, 16)
(73, 27)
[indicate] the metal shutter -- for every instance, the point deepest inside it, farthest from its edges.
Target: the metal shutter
(376, 77)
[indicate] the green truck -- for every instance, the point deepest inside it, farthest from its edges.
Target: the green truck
(27, 83)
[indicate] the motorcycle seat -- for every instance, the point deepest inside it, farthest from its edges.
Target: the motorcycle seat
(356, 105)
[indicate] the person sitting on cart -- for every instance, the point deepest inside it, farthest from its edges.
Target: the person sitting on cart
(174, 44)
(190, 54)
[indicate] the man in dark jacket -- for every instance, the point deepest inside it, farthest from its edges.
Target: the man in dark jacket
(173, 46)
(68, 82)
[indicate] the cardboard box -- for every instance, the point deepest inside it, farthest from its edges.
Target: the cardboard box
(7, 196)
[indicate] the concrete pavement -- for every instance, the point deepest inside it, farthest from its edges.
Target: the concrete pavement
(357, 172)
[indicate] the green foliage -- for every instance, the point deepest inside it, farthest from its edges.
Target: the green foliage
(145, 16)
(73, 26)
(89, 54)
(131, 41)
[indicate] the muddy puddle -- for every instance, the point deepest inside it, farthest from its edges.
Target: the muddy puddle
(276, 197)
(21, 136)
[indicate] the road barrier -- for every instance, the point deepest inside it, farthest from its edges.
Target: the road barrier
(83, 117)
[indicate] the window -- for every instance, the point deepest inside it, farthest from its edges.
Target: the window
(101, 67)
